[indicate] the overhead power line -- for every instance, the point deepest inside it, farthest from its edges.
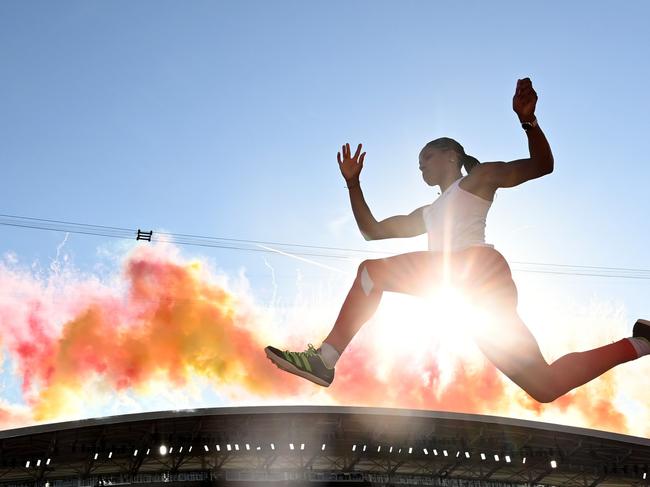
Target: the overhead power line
(180, 238)
(296, 249)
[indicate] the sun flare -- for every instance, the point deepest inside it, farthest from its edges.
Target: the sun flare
(445, 321)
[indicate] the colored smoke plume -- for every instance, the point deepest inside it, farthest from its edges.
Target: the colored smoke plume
(167, 320)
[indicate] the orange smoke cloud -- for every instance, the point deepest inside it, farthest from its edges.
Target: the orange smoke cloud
(167, 320)
(14, 416)
(472, 390)
(170, 325)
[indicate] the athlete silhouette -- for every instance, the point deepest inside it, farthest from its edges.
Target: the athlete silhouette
(457, 255)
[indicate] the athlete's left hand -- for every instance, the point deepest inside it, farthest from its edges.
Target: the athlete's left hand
(524, 101)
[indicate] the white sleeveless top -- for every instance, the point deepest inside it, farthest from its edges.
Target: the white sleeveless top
(456, 220)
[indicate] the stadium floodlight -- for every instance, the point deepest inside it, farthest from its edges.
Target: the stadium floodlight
(258, 448)
(378, 448)
(482, 456)
(467, 455)
(290, 446)
(96, 455)
(553, 464)
(496, 457)
(507, 458)
(248, 446)
(390, 450)
(399, 451)
(135, 453)
(180, 450)
(364, 447)
(218, 447)
(410, 450)
(38, 463)
(272, 446)
(302, 446)
(228, 447)
(354, 447)
(190, 450)
(148, 450)
(458, 454)
(110, 454)
(524, 460)
(426, 452)
(171, 449)
(205, 447)
(27, 464)
(236, 446)
(444, 452)
(48, 461)
(645, 475)
(435, 452)
(323, 447)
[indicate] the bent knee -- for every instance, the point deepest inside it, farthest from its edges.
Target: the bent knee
(543, 396)
(367, 275)
(371, 265)
(542, 389)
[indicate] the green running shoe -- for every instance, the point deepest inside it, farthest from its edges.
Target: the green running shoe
(307, 364)
(641, 329)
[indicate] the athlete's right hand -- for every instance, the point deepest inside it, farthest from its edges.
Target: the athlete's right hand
(350, 165)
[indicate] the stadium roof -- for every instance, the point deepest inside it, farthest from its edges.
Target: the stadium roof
(376, 445)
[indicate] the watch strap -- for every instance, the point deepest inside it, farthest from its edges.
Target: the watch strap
(529, 125)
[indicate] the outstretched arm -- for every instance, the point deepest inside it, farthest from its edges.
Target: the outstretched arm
(371, 229)
(509, 174)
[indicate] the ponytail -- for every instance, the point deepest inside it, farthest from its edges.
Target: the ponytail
(469, 162)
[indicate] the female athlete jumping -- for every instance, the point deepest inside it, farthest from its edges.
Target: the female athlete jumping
(459, 257)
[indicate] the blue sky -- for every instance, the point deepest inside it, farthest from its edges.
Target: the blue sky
(224, 119)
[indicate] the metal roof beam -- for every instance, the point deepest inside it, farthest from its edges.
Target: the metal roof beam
(397, 465)
(598, 480)
(143, 442)
(549, 469)
(87, 466)
(269, 461)
(604, 475)
(311, 460)
(490, 472)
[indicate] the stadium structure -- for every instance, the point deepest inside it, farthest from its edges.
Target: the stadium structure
(314, 446)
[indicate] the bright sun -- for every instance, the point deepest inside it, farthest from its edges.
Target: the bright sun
(415, 326)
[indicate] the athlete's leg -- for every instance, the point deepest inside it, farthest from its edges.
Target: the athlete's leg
(516, 353)
(410, 273)
(511, 347)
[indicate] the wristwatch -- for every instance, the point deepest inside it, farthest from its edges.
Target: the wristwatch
(529, 125)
